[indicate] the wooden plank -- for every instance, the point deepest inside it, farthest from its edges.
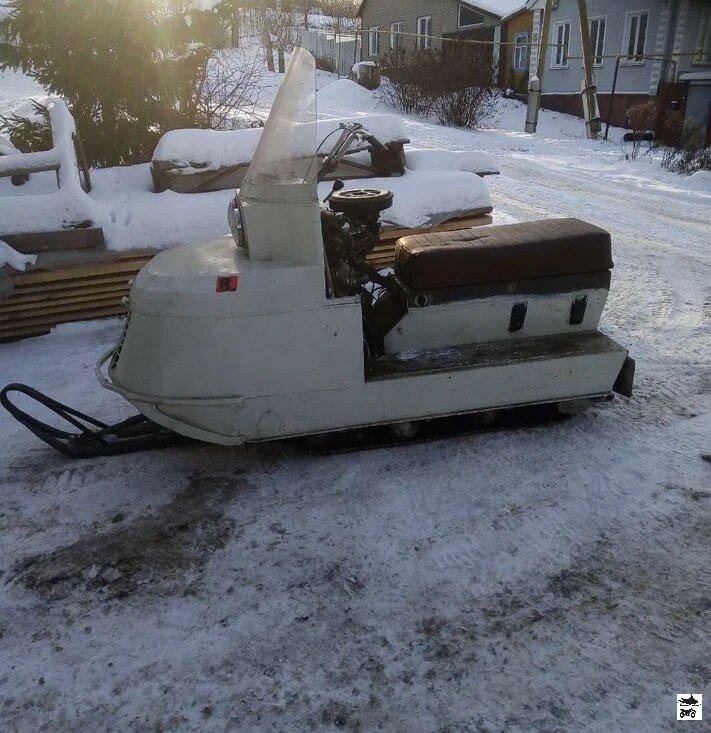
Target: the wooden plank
(58, 312)
(72, 273)
(52, 296)
(13, 306)
(82, 315)
(79, 257)
(64, 239)
(383, 254)
(447, 226)
(88, 283)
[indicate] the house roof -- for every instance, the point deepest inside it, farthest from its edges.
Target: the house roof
(502, 8)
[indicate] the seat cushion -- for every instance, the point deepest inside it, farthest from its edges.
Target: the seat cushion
(494, 254)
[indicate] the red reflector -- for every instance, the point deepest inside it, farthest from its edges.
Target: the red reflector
(226, 284)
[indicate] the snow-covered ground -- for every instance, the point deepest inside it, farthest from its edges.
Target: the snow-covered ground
(17, 92)
(547, 579)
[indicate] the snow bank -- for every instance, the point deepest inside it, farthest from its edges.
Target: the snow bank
(700, 181)
(45, 212)
(473, 161)
(12, 258)
(6, 147)
(133, 216)
(208, 148)
(345, 94)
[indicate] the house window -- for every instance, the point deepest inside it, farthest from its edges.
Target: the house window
(703, 40)
(636, 36)
(520, 52)
(374, 40)
(561, 39)
(597, 39)
(424, 32)
(395, 35)
(468, 17)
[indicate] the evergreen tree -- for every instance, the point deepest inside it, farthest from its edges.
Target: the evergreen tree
(127, 68)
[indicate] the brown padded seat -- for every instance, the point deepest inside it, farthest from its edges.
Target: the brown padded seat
(494, 254)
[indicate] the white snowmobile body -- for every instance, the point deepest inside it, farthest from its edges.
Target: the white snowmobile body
(231, 342)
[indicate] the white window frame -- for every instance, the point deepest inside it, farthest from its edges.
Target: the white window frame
(557, 50)
(424, 40)
(467, 25)
(632, 61)
(517, 47)
(703, 40)
(396, 30)
(374, 40)
(594, 41)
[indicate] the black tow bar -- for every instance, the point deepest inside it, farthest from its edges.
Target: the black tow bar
(94, 438)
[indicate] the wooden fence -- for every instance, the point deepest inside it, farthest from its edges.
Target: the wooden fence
(341, 50)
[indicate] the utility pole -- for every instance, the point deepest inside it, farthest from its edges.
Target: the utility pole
(588, 88)
(535, 83)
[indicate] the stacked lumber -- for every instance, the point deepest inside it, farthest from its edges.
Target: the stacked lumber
(68, 289)
(384, 253)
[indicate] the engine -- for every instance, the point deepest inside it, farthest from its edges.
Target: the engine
(351, 229)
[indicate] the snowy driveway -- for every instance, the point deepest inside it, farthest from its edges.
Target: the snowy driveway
(550, 579)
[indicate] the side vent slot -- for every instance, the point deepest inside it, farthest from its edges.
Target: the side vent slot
(577, 310)
(518, 316)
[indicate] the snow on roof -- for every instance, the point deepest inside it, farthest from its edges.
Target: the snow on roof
(501, 8)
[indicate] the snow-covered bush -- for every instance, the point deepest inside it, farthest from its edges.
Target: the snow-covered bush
(642, 119)
(683, 144)
(454, 83)
(410, 76)
(688, 160)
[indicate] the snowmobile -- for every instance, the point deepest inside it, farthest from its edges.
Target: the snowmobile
(283, 330)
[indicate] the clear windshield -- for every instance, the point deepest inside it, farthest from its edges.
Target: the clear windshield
(287, 147)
